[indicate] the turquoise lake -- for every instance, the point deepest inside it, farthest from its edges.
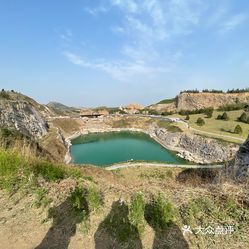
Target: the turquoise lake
(103, 149)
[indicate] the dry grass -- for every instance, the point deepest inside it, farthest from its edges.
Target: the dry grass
(178, 186)
(66, 125)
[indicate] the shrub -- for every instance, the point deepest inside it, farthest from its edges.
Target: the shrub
(136, 212)
(187, 117)
(48, 170)
(232, 107)
(200, 122)
(224, 116)
(160, 213)
(41, 199)
(11, 165)
(209, 112)
(4, 95)
(78, 199)
(198, 111)
(117, 223)
(153, 112)
(94, 198)
(244, 118)
(238, 129)
(167, 113)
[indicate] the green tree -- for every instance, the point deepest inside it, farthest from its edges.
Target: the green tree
(200, 122)
(243, 118)
(209, 112)
(224, 116)
(187, 117)
(238, 129)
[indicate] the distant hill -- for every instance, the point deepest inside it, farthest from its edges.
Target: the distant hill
(62, 110)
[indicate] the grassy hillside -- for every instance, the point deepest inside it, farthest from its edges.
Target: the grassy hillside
(127, 208)
(221, 127)
(166, 101)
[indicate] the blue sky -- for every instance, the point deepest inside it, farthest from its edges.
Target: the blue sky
(113, 52)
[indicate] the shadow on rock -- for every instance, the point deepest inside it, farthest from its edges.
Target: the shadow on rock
(65, 218)
(116, 231)
(167, 235)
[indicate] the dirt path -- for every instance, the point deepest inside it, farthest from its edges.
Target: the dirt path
(186, 166)
(216, 134)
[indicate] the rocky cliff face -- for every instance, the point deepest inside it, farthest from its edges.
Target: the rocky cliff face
(22, 116)
(194, 101)
(196, 148)
(238, 168)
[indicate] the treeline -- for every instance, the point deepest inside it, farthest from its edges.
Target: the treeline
(233, 107)
(243, 90)
(208, 111)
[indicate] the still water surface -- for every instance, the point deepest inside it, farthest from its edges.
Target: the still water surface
(103, 149)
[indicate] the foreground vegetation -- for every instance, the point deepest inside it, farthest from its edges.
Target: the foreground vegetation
(163, 200)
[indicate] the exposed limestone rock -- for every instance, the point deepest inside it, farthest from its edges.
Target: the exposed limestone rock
(238, 168)
(196, 148)
(22, 116)
(132, 108)
(170, 107)
(194, 101)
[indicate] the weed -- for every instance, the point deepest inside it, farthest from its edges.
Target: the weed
(157, 174)
(118, 224)
(160, 213)
(136, 212)
(48, 170)
(205, 211)
(94, 199)
(41, 199)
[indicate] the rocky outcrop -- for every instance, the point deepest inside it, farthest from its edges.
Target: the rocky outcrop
(160, 108)
(22, 116)
(194, 101)
(132, 108)
(238, 168)
(196, 148)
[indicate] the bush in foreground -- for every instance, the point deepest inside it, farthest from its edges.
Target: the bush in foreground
(160, 213)
(136, 212)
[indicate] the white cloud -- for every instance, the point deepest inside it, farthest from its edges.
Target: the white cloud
(66, 35)
(147, 26)
(96, 11)
(120, 70)
(127, 5)
(233, 22)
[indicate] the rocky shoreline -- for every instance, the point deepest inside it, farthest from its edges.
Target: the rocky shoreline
(193, 148)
